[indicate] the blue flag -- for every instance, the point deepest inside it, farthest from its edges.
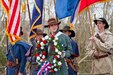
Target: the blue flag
(75, 13)
(36, 21)
(64, 8)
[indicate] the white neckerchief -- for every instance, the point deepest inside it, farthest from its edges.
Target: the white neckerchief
(58, 34)
(101, 33)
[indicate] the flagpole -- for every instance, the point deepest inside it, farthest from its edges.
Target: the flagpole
(95, 19)
(6, 35)
(28, 11)
(92, 30)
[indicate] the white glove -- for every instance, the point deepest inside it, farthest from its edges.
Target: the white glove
(63, 54)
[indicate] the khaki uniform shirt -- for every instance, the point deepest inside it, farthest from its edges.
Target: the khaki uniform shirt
(101, 65)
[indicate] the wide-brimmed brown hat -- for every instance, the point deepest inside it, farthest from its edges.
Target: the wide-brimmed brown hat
(67, 28)
(102, 20)
(40, 32)
(52, 21)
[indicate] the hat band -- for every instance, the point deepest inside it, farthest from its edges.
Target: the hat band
(53, 22)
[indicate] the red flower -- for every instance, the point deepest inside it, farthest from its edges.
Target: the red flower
(55, 57)
(43, 60)
(36, 54)
(38, 46)
(53, 47)
(50, 64)
(40, 39)
(44, 53)
(52, 71)
(52, 35)
(60, 66)
(44, 41)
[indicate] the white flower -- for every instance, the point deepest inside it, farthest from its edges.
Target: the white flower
(55, 69)
(43, 38)
(38, 41)
(59, 63)
(54, 65)
(59, 52)
(43, 57)
(42, 47)
(49, 67)
(56, 38)
(53, 40)
(38, 58)
(46, 37)
(40, 55)
(54, 61)
(58, 56)
(49, 38)
(55, 43)
(56, 50)
(41, 60)
(42, 44)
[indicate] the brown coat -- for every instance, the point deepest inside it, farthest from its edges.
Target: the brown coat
(101, 65)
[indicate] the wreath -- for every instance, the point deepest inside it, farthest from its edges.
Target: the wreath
(57, 48)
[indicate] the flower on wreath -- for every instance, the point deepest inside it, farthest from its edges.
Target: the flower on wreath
(41, 51)
(57, 49)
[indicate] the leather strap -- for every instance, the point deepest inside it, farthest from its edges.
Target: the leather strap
(102, 56)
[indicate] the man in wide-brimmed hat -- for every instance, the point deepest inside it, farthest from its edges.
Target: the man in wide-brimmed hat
(67, 30)
(39, 34)
(52, 22)
(73, 68)
(53, 27)
(100, 47)
(34, 66)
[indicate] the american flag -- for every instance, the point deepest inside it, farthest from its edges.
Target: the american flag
(11, 7)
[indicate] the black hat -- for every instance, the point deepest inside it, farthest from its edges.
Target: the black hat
(52, 21)
(67, 28)
(39, 31)
(102, 20)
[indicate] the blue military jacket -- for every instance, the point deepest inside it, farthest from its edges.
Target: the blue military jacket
(18, 50)
(75, 49)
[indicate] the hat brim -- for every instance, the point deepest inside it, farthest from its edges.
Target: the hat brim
(44, 34)
(72, 32)
(107, 26)
(52, 24)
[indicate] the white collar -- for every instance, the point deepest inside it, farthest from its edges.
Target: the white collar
(58, 34)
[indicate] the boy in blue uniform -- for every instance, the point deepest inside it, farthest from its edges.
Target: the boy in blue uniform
(75, 52)
(16, 59)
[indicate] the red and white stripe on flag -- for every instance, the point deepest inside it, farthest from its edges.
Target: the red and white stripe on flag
(13, 19)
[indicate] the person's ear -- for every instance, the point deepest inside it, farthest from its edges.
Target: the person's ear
(69, 33)
(104, 25)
